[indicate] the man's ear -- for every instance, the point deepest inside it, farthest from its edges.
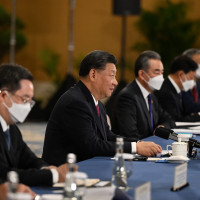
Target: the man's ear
(2, 94)
(141, 74)
(180, 74)
(92, 74)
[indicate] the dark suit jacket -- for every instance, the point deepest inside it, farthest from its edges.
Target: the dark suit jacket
(131, 116)
(74, 127)
(22, 160)
(189, 105)
(169, 99)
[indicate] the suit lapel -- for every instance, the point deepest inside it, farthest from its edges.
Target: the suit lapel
(97, 119)
(143, 103)
(177, 96)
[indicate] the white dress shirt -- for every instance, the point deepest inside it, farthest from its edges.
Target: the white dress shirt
(145, 93)
(175, 85)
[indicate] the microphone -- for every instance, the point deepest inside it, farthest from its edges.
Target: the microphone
(169, 134)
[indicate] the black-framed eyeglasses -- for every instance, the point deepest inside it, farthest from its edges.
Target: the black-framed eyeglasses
(25, 99)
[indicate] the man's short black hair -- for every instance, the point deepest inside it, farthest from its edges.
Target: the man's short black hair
(96, 60)
(11, 75)
(142, 61)
(184, 63)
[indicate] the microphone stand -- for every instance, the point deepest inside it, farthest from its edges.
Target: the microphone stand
(191, 153)
(190, 145)
(169, 134)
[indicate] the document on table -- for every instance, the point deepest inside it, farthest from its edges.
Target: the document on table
(195, 128)
(88, 183)
(190, 130)
(187, 123)
(105, 193)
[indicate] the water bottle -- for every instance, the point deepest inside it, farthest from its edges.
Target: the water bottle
(13, 181)
(70, 188)
(119, 175)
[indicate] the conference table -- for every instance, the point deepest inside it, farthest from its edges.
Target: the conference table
(161, 175)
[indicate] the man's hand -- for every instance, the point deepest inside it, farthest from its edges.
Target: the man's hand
(62, 170)
(148, 148)
(3, 191)
(158, 127)
(21, 188)
(25, 189)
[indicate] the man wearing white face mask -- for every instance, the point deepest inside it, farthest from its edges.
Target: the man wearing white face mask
(191, 98)
(181, 78)
(136, 111)
(16, 93)
(18, 112)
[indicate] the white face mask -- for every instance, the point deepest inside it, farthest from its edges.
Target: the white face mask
(155, 83)
(18, 112)
(187, 84)
(198, 72)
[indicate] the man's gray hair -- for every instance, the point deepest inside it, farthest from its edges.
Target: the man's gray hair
(191, 52)
(142, 61)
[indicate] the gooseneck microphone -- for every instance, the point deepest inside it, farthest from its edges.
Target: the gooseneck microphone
(166, 133)
(169, 134)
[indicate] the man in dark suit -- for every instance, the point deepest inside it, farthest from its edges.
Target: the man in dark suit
(78, 122)
(181, 78)
(191, 98)
(136, 111)
(16, 93)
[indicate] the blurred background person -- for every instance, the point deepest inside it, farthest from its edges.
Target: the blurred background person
(181, 78)
(191, 98)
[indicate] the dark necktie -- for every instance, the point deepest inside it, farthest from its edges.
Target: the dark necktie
(195, 94)
(180, 98)
(97, 107)
(150, 110)
(7, 134)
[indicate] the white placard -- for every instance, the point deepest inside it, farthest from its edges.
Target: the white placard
(187, 123)
(180, 176)
(143, 192)
(189, 131)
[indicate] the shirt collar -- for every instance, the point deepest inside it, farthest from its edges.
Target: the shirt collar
(3, 124)
(145, 93)
(174, 84)
(95, 102)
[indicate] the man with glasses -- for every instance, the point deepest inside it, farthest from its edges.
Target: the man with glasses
(16, 93)
(136, 111)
